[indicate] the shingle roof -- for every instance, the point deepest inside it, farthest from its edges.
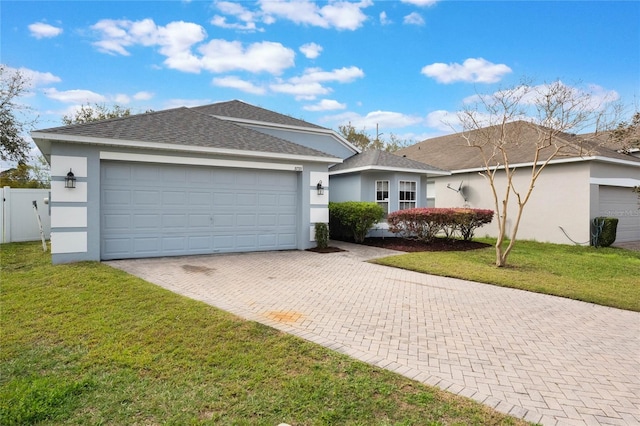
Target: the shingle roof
(451, 152)
(382, 160)
(184, 127)
(242, 110)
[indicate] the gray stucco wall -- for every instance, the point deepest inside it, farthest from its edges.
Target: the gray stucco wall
(322, 142)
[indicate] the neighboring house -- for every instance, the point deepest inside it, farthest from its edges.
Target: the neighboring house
(392, 181)
(227, 177)
(589, 179)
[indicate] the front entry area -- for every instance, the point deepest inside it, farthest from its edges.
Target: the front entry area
(153, 210)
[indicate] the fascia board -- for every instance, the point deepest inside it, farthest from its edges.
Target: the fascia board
(180, 148)
(556, 161)
(390, 169)
(623, 182)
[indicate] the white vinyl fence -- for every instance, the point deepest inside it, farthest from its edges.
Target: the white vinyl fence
(18, 217)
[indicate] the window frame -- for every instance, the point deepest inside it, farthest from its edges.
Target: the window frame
(405, 203)
(382, 202)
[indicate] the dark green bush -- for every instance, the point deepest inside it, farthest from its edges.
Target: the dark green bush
(352, 220)
(322, 235)
(604, 230)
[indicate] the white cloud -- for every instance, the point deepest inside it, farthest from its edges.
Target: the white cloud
(121, 99)
(342, 15)
(475, 70)
(311, 50)
(42, 30)
(143, 96)
(302, 91)
(325, 105)
(234, 82)
(420, 3)
(413, 18)
(224, 56)
(176, 40)
(341, 75)
(384, 20)
(76, 96)
(443, 120)
(173, 40)
(310, 84)
(34, 78)
(246, 17)
(383, 119)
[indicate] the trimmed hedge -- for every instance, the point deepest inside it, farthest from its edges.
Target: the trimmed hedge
(604, 231)
(352, 220)
(425, 223)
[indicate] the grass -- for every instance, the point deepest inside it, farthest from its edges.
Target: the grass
(604, 276)
(88, 344)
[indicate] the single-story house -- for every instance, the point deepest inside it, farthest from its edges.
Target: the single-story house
(590, 178)
(227, 177)
(392, 181)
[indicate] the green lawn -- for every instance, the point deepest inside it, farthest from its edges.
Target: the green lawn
(605, 276)
(88, 344)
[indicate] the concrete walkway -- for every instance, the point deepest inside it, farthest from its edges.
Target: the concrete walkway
(545, 359)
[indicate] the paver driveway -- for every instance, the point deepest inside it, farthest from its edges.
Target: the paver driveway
(545, 359)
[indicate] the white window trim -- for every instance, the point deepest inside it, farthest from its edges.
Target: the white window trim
(414, 189)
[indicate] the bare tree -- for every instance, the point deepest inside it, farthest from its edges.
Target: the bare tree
(13, 146)
(542, 119)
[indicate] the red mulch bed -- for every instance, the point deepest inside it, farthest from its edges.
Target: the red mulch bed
(438, 244)
(403, 244)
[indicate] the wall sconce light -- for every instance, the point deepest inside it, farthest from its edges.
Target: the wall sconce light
(70, 180)
(320, 188)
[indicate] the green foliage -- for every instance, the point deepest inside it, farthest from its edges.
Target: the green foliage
(25, 176)
(605, 276)
(88, 344)
(322, 235)
(13, 146)
(353, 219)
(604, 231)
(627, 134)
(97, 112)
(424, 224)
(365, 142)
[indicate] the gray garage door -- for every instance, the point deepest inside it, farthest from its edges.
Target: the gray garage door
(621, 203)
(150, 210)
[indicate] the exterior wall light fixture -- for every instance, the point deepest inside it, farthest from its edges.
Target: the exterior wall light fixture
(320, 188)
(70, 180)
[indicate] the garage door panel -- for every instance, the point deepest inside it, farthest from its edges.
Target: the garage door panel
(116, 197)
(145, 221)
(173, 198)
(199, 221)
(114, 222)
(146, 199)
(162, 210)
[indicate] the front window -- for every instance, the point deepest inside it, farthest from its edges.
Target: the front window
(407, 194)
(382, 195)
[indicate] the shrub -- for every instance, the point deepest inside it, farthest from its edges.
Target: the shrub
(468, 220)
(604, 231)
(425, 223)
(352, 220)
(322, 235)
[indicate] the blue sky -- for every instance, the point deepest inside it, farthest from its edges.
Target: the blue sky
(404, 65)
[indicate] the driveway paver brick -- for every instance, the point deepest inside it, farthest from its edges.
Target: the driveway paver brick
(546, 359)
